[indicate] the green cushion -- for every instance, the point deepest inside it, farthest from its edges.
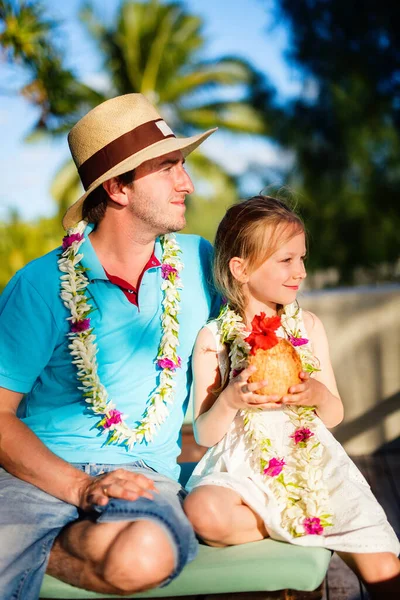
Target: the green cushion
(260, 566)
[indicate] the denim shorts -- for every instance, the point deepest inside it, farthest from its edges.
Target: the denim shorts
(31, 519)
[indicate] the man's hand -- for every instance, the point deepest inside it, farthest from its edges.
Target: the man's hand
(116, 484)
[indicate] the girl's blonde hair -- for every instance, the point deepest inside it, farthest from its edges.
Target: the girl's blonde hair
(252, 230)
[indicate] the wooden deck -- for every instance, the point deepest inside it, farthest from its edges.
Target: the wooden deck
(382, 471)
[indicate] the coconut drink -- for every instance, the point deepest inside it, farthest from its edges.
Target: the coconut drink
(275, 359)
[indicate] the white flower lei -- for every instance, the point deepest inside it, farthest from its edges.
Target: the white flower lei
(83, 345)
(296, 482)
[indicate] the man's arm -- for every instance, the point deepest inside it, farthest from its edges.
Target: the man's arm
(24, 455)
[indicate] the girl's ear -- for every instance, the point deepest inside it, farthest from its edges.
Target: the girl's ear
(237, 267)
(116, 191)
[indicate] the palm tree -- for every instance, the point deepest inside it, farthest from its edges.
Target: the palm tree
(25, 31)
(27, 39)
(154, 49)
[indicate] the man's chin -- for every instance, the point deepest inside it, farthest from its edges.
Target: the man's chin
(177, 226)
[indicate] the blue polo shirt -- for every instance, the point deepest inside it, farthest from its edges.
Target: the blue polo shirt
(35, 359)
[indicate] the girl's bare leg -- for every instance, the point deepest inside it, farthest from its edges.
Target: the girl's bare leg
(221, 518)
(380, 572)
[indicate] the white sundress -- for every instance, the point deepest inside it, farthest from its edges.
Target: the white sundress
(359, 522)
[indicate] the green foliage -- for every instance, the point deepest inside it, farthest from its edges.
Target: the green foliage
(28, 40)
(26, 31)
(21, 242)
(346, 136)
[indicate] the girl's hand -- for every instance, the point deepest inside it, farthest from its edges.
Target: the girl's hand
(309, 393)
(239, 394)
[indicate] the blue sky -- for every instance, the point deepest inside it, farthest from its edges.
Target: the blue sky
(244, 29)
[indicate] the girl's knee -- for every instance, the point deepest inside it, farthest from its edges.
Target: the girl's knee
(208, 514)
(373, 568)
(385, 568)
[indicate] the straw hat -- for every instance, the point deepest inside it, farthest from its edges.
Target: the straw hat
(118, 136)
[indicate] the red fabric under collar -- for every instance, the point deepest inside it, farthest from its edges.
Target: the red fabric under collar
(131, 292)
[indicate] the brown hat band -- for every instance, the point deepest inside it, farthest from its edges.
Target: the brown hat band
(121, 148)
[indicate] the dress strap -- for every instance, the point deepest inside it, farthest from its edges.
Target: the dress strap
(293, 325)
(223, 358)
(301, 325)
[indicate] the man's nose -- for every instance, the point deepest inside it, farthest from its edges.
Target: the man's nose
(184, 183)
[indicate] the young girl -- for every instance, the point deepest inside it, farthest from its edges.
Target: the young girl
(273, 468)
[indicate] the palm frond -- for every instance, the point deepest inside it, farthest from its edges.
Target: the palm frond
(205, 75)
(238, 117)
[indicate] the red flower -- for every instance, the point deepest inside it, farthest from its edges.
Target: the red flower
(263, 332)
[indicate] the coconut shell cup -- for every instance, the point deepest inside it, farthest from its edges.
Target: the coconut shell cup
(279, 365)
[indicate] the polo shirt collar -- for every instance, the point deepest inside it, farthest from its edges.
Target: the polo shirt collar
(158, 250)
(90, 260)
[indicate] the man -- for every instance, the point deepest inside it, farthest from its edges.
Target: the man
(95, 348)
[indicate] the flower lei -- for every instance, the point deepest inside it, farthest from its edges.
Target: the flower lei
(83, 347)
(296, 481)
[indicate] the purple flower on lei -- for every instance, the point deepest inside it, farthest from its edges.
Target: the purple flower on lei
(297, 341)
(167, 270)
(115, 417)
(68, 240)
(274, 467)
(236, 372)
(167, 363)
(312, 526)
(302, 435)
(80, 326)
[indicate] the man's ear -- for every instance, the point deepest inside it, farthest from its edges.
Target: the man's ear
(237, 267)
(116, 191)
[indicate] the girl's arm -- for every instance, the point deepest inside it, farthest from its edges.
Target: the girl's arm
(320, 390)
(214, 411)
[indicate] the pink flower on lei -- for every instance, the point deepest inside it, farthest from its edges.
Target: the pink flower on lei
(275, 466)
(297, 341)
(167, 270)
(115, 417)
(302, 435)
(68, 240)
(312, 526)
(167, 363)
(80, 326)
